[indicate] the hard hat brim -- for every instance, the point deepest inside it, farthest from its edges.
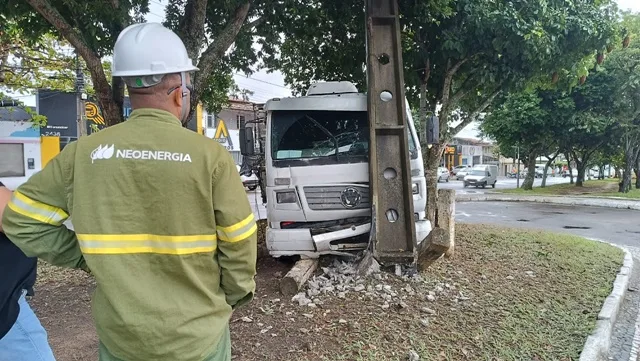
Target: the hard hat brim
(185, 69)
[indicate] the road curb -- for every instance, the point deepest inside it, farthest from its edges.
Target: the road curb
(598, 344)
(569, 201)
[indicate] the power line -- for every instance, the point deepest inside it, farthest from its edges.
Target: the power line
(261, 81)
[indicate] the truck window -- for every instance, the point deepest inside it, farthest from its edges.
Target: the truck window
(312, 135)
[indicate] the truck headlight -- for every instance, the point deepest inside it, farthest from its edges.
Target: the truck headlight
(415, 189)
(286, 197)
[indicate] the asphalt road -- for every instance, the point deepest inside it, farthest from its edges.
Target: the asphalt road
(613, 225)
(503, 183)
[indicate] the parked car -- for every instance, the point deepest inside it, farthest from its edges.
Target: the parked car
(443, 174)
(458, 168)
(251, 182)
(565, 173)
(461, 173)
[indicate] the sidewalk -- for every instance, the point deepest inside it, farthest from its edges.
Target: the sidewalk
(618, 203)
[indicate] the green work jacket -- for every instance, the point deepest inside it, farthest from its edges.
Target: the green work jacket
(160, 218)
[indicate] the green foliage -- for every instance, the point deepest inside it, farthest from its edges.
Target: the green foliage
(37, 119)
(27, 65)
(503, 44)
(526, 120)
(98, 24)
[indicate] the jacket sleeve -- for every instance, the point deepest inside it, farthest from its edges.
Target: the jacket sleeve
(237, 233)
(34, 217)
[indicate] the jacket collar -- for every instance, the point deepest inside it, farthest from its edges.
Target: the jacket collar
(154, 114)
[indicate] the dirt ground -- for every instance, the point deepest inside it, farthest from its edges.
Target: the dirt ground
(504, 296)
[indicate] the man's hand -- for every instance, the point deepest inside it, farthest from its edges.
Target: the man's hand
(5, 196)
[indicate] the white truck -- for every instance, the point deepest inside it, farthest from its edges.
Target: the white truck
(317, 173)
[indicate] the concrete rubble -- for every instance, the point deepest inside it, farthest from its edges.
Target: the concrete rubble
(341, 279)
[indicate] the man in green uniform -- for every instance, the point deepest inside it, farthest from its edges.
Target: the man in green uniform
(160, 215)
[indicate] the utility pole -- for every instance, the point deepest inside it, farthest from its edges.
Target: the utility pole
(81, 96)
(393, 226)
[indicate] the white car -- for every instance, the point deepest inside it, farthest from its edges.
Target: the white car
(251, 182)
(443, 174)
(461, 173)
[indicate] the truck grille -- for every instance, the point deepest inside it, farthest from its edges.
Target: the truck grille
(329, 197)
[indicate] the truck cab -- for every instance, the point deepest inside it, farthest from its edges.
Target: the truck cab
(317, 172)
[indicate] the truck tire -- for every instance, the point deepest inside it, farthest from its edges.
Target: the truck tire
(494, 184)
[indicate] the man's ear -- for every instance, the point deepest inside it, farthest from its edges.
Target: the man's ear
(177, 97)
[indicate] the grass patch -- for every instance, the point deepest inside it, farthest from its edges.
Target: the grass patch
(594, 188)
(505, 295)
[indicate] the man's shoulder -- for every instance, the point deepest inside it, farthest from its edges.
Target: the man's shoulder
(202, 141)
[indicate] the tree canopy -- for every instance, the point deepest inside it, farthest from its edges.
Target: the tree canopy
(208, 28)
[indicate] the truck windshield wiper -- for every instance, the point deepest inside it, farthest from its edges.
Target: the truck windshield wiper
(328, 133)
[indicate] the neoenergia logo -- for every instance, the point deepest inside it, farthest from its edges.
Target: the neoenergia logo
(107, 151)
(102, 152)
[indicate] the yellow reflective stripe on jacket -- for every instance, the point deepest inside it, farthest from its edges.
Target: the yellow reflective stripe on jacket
(239, 231)
(146, 243)
(36, 210)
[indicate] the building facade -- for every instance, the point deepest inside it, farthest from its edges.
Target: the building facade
(23, 152)
(225, 125)
(467, 151)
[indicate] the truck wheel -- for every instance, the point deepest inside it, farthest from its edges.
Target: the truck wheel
(447, 179)
(252, 188)
(494, 184)
(484, 185)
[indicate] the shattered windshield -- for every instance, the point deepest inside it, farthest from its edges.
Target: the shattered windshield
(320, 134)
(323, 136)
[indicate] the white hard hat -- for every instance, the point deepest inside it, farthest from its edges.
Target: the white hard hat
(149, 49)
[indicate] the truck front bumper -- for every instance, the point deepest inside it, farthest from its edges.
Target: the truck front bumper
(300, 241)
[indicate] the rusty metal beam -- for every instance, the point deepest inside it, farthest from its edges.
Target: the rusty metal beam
(393, 227)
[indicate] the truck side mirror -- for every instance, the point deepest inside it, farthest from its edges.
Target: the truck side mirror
(247, 146)
(433, 130)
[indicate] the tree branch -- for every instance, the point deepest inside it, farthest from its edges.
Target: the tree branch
(191, 26)
(217, 49)
(93, 61)
(476, 112)
(254, 23)
(446, 88)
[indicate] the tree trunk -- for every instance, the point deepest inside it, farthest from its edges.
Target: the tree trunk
(569, 168)
(629, 162)
(216, 50)
(546, 169)
(581, 164)
(431, 162)
(601, 171)
(581, 172)
(637, 166)
(638, 173)
(111, 112)
(531, 173)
